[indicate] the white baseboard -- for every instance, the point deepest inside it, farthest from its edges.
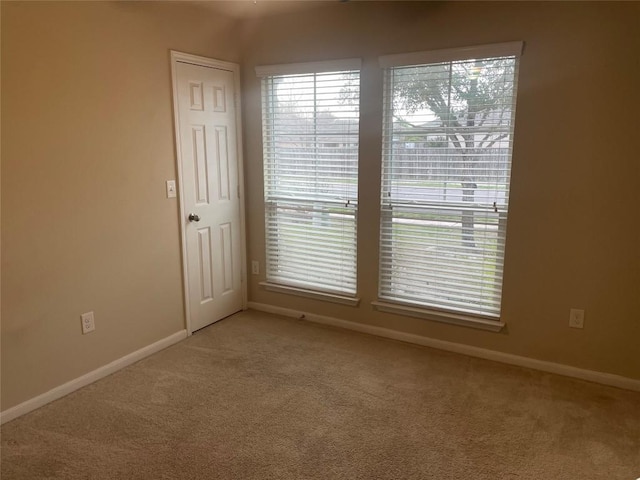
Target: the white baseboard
(75, 384)
(550, 367)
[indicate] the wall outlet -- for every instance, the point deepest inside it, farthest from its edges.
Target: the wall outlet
(88, 323)
(255, 267)
(576, 318)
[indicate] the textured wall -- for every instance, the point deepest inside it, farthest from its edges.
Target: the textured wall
(87, 144)
(574, 232)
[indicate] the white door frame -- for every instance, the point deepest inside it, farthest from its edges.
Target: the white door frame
(235, 68)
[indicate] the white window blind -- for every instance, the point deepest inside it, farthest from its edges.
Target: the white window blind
(310, 146)
(447, 143)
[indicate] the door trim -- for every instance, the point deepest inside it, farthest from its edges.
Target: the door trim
(179, 57)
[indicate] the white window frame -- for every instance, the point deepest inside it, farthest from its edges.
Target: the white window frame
(386, 301)
(274, 281)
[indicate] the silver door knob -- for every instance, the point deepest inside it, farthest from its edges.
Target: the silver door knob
(193, 217)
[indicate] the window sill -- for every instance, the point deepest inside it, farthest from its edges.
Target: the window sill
(451, 318)
(303, 292)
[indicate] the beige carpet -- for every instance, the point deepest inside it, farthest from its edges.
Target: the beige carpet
(261, 397)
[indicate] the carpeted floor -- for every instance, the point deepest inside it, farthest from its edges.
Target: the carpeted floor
(260, 397)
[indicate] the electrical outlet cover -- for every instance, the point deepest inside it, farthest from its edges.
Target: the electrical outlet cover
(88, 323)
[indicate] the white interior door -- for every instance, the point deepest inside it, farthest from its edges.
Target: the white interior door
(207, 134)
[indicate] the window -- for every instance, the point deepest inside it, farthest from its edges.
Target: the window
(448, 136)
(310, 118)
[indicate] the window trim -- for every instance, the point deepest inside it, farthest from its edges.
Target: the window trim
(315, 294)
(439, 316)
(309, 67)
(452, 54)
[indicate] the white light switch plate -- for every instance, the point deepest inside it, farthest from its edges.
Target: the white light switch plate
(171, 188)
(576, 318)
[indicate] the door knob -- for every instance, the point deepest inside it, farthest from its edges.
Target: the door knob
(194, 218)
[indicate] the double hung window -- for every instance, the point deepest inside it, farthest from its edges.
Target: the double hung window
(310, 118)
(447, 143)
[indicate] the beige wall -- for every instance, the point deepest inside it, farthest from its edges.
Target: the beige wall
(573, 235)
(87, 144)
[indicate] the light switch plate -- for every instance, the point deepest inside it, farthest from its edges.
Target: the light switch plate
(171, 188)
(576, 318)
